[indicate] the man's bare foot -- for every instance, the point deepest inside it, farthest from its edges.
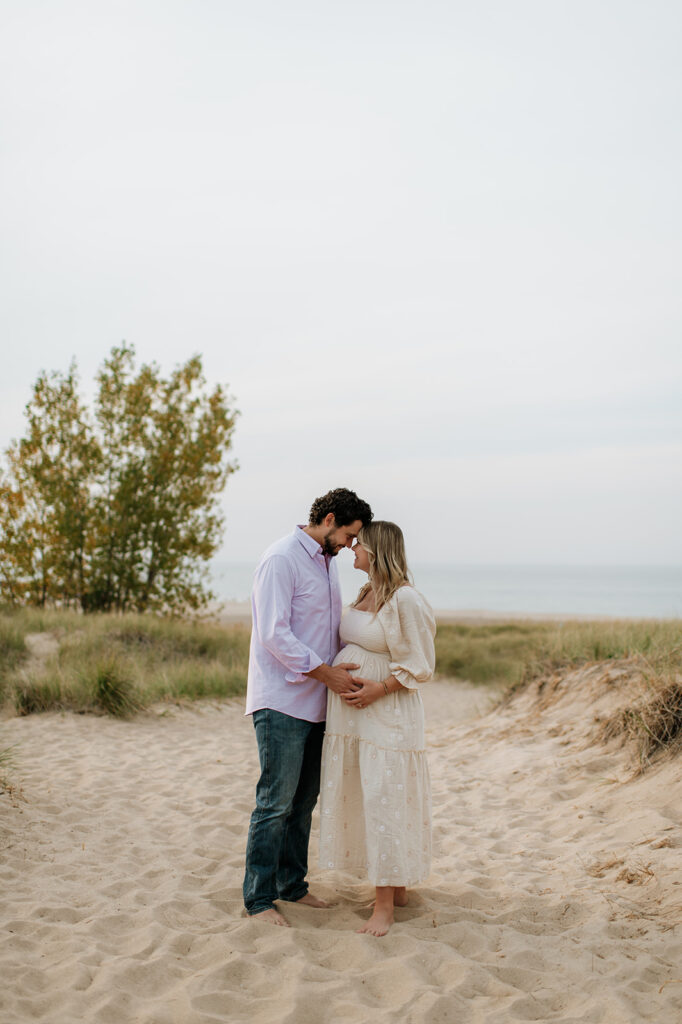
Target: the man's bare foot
(272, 916)
(400, 896)
(313, 901)
(379, 923)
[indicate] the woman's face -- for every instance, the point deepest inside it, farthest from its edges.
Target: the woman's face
(361, 557)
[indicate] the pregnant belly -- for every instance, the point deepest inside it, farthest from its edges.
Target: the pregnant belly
(373, 664)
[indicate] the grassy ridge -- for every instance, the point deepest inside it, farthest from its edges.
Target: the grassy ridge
(119, 664)
(518, 653)
(511, 653)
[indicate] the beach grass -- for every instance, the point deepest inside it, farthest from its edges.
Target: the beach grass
(12, 645)
(513, 653)
(652, 722)
(119, 664)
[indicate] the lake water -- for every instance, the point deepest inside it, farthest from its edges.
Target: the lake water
(632, 591)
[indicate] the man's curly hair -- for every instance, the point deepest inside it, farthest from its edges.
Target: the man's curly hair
(344, 505)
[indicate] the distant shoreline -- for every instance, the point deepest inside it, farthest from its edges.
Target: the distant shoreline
(507, 592)
(239, 613)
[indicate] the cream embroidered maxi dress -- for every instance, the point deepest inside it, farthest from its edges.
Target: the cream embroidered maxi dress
(375, 787)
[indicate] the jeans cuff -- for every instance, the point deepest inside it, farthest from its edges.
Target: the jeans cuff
(300, 891)
(259, 909)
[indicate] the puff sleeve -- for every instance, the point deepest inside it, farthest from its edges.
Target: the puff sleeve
(410, 626)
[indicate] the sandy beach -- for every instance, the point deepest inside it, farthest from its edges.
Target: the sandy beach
(556, 893)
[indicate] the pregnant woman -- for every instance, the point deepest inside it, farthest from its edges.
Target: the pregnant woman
(375, 791)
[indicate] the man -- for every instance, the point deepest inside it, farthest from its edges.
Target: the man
(296, 604)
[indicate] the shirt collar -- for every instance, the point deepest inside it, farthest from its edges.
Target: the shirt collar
(311, 545)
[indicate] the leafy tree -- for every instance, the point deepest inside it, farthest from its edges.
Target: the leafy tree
(44, 507)
(116, 510)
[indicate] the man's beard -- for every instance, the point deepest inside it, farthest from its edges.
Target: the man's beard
(328, 548)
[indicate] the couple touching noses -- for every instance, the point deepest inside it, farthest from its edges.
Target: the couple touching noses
(360, 674)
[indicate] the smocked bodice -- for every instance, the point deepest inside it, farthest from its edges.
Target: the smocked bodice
(363, 629)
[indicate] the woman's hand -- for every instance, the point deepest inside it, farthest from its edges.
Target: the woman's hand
(369, 691)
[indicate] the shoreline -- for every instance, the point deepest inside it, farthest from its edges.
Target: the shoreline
(239, 613)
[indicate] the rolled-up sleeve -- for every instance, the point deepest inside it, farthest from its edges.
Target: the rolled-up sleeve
(410, 627)
(272, 599)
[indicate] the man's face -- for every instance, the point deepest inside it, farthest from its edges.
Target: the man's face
(340, 537)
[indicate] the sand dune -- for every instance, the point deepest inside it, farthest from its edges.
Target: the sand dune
(556, 893)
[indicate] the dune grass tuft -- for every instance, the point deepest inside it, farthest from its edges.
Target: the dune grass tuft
(112, 689)
(37, 694)
(653, 721)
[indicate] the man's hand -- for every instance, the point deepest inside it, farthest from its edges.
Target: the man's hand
(338, 679)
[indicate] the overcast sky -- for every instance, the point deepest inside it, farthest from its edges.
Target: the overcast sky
(433, 248)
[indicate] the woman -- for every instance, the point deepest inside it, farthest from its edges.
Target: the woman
(375, 791)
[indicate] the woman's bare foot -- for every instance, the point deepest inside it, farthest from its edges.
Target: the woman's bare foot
(313, 901)
(382, 915)
(272, 916)
(400, 896)
(379, 923)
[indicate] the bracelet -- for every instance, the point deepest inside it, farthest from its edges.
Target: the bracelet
(383, 683)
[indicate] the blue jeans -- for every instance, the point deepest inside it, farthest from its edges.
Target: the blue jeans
(290, 752)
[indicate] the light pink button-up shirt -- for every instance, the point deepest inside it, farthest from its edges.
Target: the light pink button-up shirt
(296, 605)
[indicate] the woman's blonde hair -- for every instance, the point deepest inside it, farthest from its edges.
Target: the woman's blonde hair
(388, 571)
